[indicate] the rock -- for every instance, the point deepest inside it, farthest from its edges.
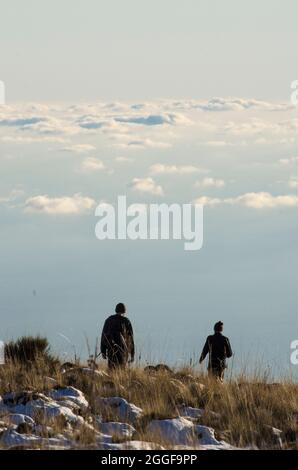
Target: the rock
(17, 419)
(158, 368)
(133, 445)
(36, 404)
(22, 423)
(70, 395)
(117, 429)
(276, 435)
(11, 438)
(174, 431)
(191, 413)
(196, 413)
(25, 428)
(85, 371)
(126, 411)
(182, 431)
(50, 382)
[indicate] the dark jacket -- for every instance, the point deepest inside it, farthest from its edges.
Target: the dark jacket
(219, 349)
(117, 337)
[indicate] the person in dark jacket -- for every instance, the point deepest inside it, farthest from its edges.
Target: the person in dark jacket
(117, 341)
(219, 349)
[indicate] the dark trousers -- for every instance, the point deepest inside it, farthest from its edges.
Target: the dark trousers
(117, 359)
(217, 370)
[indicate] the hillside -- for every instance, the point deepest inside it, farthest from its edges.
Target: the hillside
(53, 406)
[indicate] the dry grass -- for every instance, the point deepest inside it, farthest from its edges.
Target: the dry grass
(245, 408)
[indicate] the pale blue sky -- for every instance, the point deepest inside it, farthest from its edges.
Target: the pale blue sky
(135, 49)
(83, 81)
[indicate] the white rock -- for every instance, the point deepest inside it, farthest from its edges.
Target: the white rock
(190, 412)
(117, 429)
(133, 445)
(11, 438)
(19, 419)
(175, 431)
(46, 407)
(182, 432)
(126, 411)
(70, 394)
(206, 436)
(196, 413)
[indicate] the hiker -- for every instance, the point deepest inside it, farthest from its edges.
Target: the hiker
(219, 349)
(117, 343)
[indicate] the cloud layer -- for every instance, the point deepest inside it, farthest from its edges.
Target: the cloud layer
(65, 205)
(260, 200)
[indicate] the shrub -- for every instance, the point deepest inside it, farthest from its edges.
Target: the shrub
(28, 349)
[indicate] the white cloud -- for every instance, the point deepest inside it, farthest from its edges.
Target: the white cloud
(139, 142)
(288, 161)
(154, 119)
(239, 104)
(260, 200)
(146, 185)
(44, 204)
(12, 196)
(92, 164)
(79, 148)
(210, 183)
(207, 201)
(160, 168)
(124, 159)
(293, 182)
(25, 139)
(217, 143)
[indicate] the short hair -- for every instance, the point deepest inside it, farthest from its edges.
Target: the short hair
(218, 326)
(120, 308)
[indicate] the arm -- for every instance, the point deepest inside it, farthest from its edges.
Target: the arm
(131, 340)
(229, 351)
(205, 350)
(104, 342)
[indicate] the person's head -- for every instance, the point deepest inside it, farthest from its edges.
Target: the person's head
(218, 327)
(120, 309)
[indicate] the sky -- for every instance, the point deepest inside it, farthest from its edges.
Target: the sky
(163, 102)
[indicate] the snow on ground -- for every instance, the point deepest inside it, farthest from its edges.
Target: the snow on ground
(70, 395)
(26, 419)
(191, 413)
(117, 429)
(133, 445)
(126, 411)
(10, 438)
(182, 431)
(37, 404)
(17, 419)
(196, 413)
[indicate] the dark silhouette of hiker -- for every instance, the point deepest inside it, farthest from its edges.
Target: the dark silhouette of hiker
(117, 342)
(219, 349)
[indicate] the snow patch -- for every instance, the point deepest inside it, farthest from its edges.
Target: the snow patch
(126, 411)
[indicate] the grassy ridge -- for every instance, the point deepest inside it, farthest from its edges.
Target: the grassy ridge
(242, 411)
